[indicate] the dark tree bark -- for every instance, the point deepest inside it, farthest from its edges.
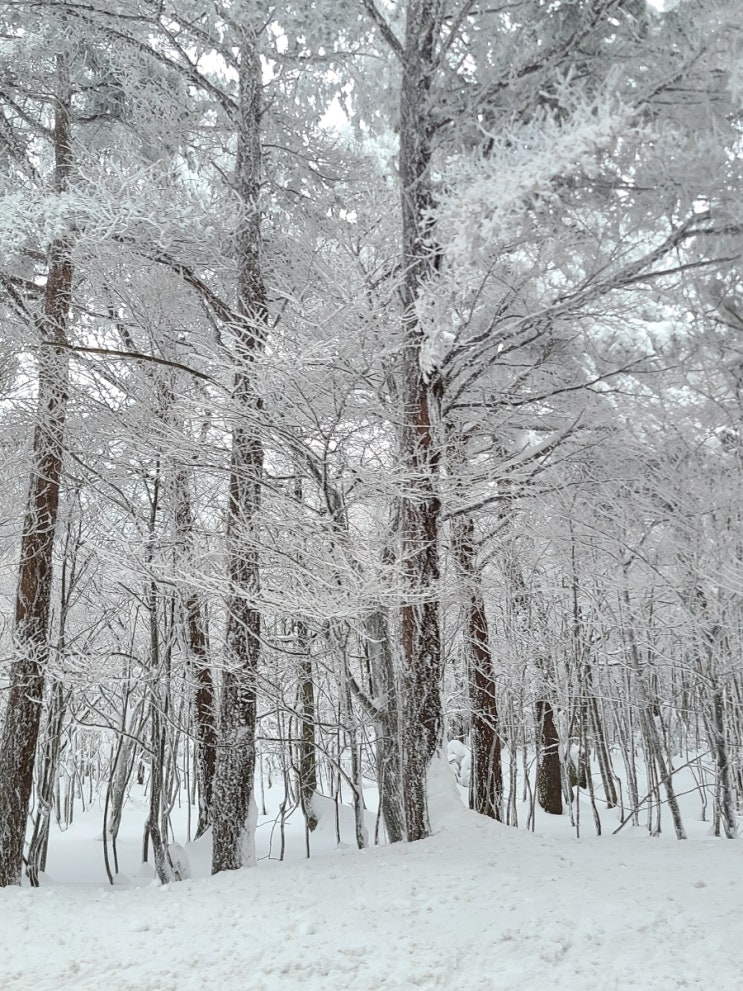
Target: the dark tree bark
(159, 678)
(204, 707)
(724, 764)
(307, 764)
(306, 706)
(549, 781)
(386, 715)
(233, 840)
(204, 703)
(46, 781)
(486, 778)
(422, 723)
(714, 652)
(156, 825)
(23, 712)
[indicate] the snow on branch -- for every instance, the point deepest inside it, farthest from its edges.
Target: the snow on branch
(487, 195)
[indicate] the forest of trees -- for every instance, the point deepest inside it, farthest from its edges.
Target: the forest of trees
(371, 378)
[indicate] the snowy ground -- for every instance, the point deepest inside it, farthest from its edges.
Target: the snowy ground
(478, 907)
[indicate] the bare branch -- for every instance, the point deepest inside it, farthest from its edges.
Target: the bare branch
(387, 33)
(130, 356)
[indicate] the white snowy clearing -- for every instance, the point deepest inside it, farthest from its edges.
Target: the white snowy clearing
(477, 907)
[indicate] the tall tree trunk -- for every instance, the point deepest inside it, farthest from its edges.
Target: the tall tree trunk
(233, 833)
(602, 746)
(420, 508)
(351, 731)
(159, 677)
(486, 778)
(549, 780)
(23, 711)
(386, 724)
(581, 643)
(307, 764)
(528, 608)
(46, 782)
(653, 747)
(204, 703)
(714, 652)
(306, 705)
(155, 821)
(47, 777)
(722, 758)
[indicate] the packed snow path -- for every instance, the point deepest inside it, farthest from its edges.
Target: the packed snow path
(478, 907)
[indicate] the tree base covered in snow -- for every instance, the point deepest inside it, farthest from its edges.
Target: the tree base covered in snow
(475, 907)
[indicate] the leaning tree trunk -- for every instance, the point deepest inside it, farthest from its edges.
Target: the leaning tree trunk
(422, 722)
(233, 832)
(23, 711)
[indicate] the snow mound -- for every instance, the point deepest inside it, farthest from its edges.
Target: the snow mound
(477, 906)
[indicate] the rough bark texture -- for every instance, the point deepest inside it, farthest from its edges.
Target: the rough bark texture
(420, 509)
(204, 704)
(722, 757)
(156, 821)
(46, 781)
(386, 725)
(33, 598)
(233, 840)
(158, 680)
(486, 778)
(205, 715)
(549, 781)
(307, 764)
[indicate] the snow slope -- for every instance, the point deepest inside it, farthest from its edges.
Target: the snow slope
(478, 907)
